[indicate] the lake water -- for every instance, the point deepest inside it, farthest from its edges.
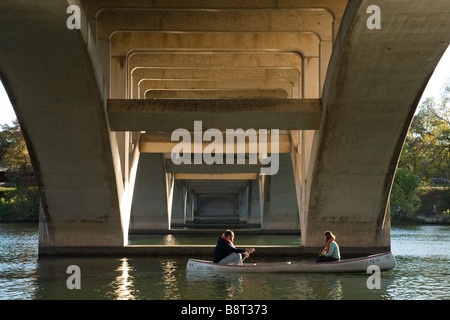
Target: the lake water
(422, 272)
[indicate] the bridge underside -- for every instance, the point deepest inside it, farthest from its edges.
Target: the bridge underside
(97, 106)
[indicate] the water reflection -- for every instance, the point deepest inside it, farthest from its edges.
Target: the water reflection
(335, 290)
(18, 261)
(427, 278)
(170, 240)
(227, 285)
(292, 286)
(170, 290)
(124, 283)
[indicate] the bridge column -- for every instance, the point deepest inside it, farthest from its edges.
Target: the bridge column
(189, 206)
(54, 80)
(178, 217)
(243, 205)
(254, 214)
(280, 210)
(150, 206)
(369, 98)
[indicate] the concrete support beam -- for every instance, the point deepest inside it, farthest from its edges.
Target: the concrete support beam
(162, 143)
(215, 185)
(122, 67)
(146, 86)
(168, 115)
(216, 94)
(334, 7)
(216, 176)
(221, 59)
(213, 168)
(217, 192)
(291, 74)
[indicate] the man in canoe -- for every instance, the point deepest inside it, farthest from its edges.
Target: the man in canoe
(226, 253)
(331, 252)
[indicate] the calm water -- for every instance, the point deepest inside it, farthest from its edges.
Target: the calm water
(422, 272)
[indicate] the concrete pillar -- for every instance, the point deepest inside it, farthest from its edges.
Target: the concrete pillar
(243, 205)
(150, 208)
(54, 79)
(254, 211)
(178, 216)
(194, 206)
(189, 206)
(280, 211)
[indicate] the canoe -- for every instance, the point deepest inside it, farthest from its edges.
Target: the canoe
(385, 262)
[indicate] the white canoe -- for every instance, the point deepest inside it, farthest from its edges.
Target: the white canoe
(385, 261)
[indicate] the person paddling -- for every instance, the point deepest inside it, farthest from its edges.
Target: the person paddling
(331, 252)
(226, 253)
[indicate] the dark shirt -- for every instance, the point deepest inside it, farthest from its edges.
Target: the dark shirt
(224, 249)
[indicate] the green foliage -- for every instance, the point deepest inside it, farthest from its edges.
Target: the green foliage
(446, 214)
(4, 191)
(13, 150)
(432, 198)
(20, 206)
(425, 155)
(404, 196)
(428, 142)
(20, 203)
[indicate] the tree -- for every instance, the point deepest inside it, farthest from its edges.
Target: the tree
(425, 154)
(22, 203)
(13, 150)
(404, 195)
(429, 137)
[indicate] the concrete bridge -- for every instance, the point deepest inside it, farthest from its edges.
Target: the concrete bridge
(97, 105)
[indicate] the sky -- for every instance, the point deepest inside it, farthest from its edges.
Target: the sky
(440, 76)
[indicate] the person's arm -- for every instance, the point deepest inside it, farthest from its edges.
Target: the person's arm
(249, 250)
(236, 250)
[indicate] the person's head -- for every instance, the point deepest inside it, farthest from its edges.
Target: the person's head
(329, 235)
(229, 234)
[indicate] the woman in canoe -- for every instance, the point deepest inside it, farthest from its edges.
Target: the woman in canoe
(226, 253)
(331, 252)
